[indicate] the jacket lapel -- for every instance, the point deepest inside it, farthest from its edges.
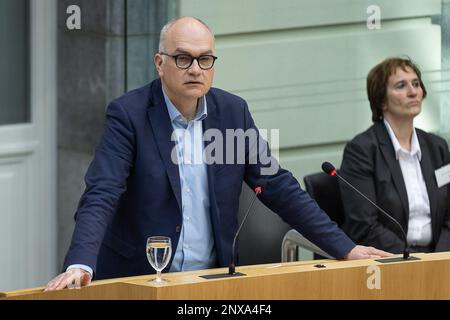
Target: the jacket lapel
(388, 152)
(428, 174)
(162, 130)
(212, 122)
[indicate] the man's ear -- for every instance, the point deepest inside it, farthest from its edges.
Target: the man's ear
(157, 59)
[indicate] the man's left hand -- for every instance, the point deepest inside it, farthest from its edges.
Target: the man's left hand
(362, 252)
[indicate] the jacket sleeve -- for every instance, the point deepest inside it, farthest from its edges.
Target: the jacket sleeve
(105, 183)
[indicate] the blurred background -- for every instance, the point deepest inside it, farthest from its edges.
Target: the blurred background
(300, 64)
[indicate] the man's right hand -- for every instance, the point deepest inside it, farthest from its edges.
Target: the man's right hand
(72, 279)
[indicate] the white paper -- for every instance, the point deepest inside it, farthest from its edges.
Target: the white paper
(443, 175)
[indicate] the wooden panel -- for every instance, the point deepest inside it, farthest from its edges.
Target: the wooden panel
(422, 279)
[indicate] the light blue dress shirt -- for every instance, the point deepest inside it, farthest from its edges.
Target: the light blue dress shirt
(195, 248)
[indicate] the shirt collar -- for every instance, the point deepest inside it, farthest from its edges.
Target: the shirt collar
(415, 146)
(175, 115)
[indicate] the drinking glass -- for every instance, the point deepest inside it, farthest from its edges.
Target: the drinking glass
(159, 251)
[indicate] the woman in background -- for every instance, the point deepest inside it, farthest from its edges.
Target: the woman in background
(394, 164)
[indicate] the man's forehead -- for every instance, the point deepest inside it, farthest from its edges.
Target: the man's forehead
(197, 49)
(187, 43)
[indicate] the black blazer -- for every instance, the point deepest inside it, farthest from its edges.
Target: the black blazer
(369, 163)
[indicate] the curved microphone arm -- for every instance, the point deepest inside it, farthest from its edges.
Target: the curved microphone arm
(232, 267)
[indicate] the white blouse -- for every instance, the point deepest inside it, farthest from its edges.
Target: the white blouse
(419, 222)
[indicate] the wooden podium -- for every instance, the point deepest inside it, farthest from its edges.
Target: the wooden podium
(428, 278)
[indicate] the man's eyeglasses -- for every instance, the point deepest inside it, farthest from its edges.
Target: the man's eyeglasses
(184, 61)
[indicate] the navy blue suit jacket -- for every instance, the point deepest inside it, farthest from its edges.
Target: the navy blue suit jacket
(133, 188)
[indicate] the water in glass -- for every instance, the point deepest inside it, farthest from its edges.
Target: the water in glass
(159, 251)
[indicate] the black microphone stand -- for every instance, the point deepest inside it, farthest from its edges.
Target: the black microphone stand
(232, 269)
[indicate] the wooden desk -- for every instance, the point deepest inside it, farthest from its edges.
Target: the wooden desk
(428, 278)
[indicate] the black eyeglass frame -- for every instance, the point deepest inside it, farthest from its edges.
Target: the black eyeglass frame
(175, 57)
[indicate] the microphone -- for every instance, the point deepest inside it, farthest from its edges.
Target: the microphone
(258, 189)
(260, 184)
(329, 169)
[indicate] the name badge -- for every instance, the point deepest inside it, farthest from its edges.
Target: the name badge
(442, 175)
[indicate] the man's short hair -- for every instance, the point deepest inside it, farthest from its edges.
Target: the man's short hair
(377, 82)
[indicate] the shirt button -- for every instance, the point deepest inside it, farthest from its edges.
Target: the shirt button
(187, 218)
(188, 190)
(178, 228)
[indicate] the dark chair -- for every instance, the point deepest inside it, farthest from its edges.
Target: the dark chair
(325, 190)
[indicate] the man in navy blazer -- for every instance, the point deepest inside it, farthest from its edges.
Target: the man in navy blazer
(134, 186)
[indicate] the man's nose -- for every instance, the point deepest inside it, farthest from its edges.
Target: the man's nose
(194, 68)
